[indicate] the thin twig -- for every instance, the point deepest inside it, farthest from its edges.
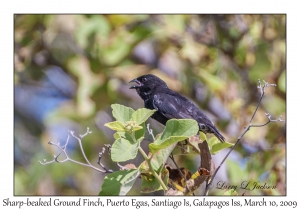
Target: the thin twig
(100, 164)
(120, 166)
(150, 131)
(80, 143)
(180, 172)
(63, 150)
(262, 88)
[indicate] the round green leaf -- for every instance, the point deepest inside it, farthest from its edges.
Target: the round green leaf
(121, 113)
(124, 149)
(141, 115)
(175, 131)
(119, 182)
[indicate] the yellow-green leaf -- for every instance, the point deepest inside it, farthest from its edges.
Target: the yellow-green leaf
(116, 126)
(216, 146)
(141, 115)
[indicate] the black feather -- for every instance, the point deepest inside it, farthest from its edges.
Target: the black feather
(170, 104)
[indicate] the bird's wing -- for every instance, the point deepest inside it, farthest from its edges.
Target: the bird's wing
(172, 106)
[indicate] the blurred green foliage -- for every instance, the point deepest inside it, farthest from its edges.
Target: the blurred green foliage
(213, 59)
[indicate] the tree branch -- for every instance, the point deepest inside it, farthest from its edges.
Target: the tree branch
(262, 89)
(63, 150)
(204, 171)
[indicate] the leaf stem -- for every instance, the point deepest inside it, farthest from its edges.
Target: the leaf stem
(152, 170)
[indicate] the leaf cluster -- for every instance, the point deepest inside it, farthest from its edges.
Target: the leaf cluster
(130, 131)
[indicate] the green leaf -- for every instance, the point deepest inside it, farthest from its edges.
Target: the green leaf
(140, 133)
(124, 149)
(158, 159)
(116, 126)
(121, 113)
(175, 131)
(141, 115)
(161, 157)
(216, 146)
(202, 136)
(231, 192)
(119, 135)
(137, 127)
(180, 127)
(150, 183)
(119, 182)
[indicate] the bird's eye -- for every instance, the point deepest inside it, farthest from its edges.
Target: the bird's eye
(144, 79)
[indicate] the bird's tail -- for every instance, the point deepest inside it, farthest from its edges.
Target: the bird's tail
(217, 133)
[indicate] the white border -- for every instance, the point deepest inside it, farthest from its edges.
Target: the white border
(8, 8)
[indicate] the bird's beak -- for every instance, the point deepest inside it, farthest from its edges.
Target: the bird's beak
(138, 84)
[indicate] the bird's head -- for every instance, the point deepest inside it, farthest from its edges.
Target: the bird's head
(146, 84)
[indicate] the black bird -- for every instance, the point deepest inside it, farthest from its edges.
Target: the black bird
(171, 105)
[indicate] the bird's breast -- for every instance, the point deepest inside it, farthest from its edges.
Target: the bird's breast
(149, 104)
